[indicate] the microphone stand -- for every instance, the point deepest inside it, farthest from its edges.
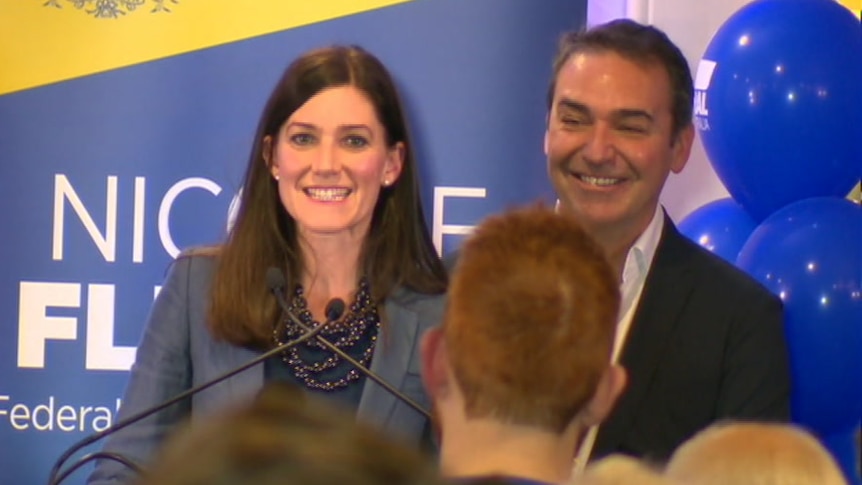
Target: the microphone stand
(55, 477)
(277, 290)
(104, 455)
(275, 280)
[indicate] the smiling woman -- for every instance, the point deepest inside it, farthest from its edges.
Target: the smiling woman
(331, 159)
(330, 198)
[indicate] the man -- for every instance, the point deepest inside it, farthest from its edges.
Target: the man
(700, 340)
(521, 365)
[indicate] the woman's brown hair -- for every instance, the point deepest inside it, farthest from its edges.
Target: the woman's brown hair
(397, 250)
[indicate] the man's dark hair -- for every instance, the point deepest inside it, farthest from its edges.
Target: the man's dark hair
(638, 43)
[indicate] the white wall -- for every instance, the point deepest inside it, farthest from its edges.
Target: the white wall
(691, 25)
(600, 11)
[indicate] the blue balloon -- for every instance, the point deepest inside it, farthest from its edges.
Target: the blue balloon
(721, 226)
(778, 103)
(810, 255)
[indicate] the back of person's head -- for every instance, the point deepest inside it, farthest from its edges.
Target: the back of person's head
(285, 438)
(530, 320)
(620, 470)
(753, 454)
(638, 43)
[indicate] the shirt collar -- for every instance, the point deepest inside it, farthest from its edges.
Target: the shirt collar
(640, 255)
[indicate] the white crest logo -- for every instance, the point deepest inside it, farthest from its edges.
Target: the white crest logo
(113, 9)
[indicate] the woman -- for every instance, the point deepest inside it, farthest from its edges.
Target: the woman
(331, 198)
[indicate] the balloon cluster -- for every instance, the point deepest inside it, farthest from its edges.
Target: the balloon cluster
(778, 106)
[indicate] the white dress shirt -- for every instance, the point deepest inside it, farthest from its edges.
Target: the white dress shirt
(637, 265)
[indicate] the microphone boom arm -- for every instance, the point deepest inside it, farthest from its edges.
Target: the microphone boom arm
(54, 479)
(329, 345)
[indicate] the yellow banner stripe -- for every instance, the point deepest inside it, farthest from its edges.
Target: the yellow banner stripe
(855, 6)
(45, 41)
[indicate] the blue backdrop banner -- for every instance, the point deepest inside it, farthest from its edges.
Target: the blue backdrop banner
(117, 152)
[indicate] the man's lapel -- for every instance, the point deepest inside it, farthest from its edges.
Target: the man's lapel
(665, 292)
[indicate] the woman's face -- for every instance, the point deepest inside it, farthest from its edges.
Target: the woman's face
(331, 160)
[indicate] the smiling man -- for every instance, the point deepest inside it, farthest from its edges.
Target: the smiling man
(701, 340)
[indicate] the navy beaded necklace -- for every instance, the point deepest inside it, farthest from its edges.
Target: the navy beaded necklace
(360, 321)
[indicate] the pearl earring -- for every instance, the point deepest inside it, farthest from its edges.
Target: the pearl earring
(277, 178)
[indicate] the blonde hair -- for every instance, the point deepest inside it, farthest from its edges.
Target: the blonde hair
(754, 454)
(285, 436)
(620, 470)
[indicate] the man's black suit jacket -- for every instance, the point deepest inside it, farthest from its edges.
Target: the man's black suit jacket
(706, 344)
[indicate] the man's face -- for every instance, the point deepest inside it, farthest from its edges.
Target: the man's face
(609, 140)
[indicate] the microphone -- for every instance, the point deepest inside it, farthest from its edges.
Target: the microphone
(276, 283)
(334, 310)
